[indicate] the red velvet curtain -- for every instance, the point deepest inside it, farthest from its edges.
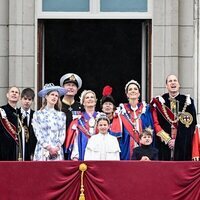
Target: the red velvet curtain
(103, 180)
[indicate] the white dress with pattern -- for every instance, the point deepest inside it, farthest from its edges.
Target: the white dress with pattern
(50, 128)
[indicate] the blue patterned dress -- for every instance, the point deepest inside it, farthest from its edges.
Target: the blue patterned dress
(50, 127)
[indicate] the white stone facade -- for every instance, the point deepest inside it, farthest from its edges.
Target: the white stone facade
(175, 45)
(17, 50)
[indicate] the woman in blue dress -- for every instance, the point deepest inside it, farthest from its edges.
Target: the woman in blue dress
(130, 119)
(49, 125)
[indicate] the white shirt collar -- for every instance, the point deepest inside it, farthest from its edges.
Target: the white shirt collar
(25, 112)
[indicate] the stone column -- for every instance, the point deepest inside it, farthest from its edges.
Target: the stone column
(186, 47)
(3, 50)
(197, 56)
(21, 43)
(165, 42)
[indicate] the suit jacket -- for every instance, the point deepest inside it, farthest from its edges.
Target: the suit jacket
(31, 141)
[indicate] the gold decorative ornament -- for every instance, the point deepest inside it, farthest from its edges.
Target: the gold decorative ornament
(72, 78)
(186, 119)
(177, 118)
(82, 168)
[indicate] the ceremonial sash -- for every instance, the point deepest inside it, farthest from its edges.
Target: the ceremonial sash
(70, 135)
(9, 127)
(160, 109)
(83, 131)
(131, 130)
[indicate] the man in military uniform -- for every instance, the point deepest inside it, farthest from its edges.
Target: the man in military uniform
(174, 118)
(72, 83)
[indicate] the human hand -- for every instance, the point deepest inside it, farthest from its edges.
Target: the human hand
(145, 158)
(53, 150)
(171, 143)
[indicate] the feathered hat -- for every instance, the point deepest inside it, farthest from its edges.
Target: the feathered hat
(107, 97)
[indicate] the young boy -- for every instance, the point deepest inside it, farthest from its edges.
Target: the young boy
(145, 152)
(26, 115)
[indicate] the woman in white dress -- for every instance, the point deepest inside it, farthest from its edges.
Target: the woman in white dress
(102, 146)
(49, 125)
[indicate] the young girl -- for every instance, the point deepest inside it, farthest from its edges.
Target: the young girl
(102, 146)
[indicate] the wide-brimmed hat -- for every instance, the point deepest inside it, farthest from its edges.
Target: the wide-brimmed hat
(107, 97)
(71, 78)
(49, 87)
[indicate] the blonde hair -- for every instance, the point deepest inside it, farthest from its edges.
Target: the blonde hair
(147, 131)
(82, 97)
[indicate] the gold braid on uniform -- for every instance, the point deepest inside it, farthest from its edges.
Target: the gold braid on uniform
(164, 136)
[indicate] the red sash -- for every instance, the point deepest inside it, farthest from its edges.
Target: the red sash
(10, 128)
(132, 132)
(160, 109)
(83, 131)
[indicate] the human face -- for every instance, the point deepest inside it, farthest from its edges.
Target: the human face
(13, 95)
(172, 85)
(103, 126)
(26, 102)
(108, 107)
(89, 100)
(52, 98)
(133, 92)
(146, 139)
(71, 89)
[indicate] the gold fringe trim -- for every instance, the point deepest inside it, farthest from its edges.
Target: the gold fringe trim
(164, 136)
(82, 168)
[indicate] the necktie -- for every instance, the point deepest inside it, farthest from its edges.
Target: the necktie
(27, 119)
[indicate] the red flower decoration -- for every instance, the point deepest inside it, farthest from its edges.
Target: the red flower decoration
(107, 90)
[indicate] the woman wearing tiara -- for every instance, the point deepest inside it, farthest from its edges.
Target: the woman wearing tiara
(102, 146)
(130, 119)
(82, 127)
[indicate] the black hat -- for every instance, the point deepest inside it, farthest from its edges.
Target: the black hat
(107, 97)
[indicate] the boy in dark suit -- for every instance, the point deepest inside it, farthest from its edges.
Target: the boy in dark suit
(26, 115)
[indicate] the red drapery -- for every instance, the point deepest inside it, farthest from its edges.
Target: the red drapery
(103, 180)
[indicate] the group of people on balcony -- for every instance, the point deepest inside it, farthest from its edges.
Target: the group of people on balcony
(65, 129)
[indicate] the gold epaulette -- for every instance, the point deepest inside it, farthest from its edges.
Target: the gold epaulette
(164, 136)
